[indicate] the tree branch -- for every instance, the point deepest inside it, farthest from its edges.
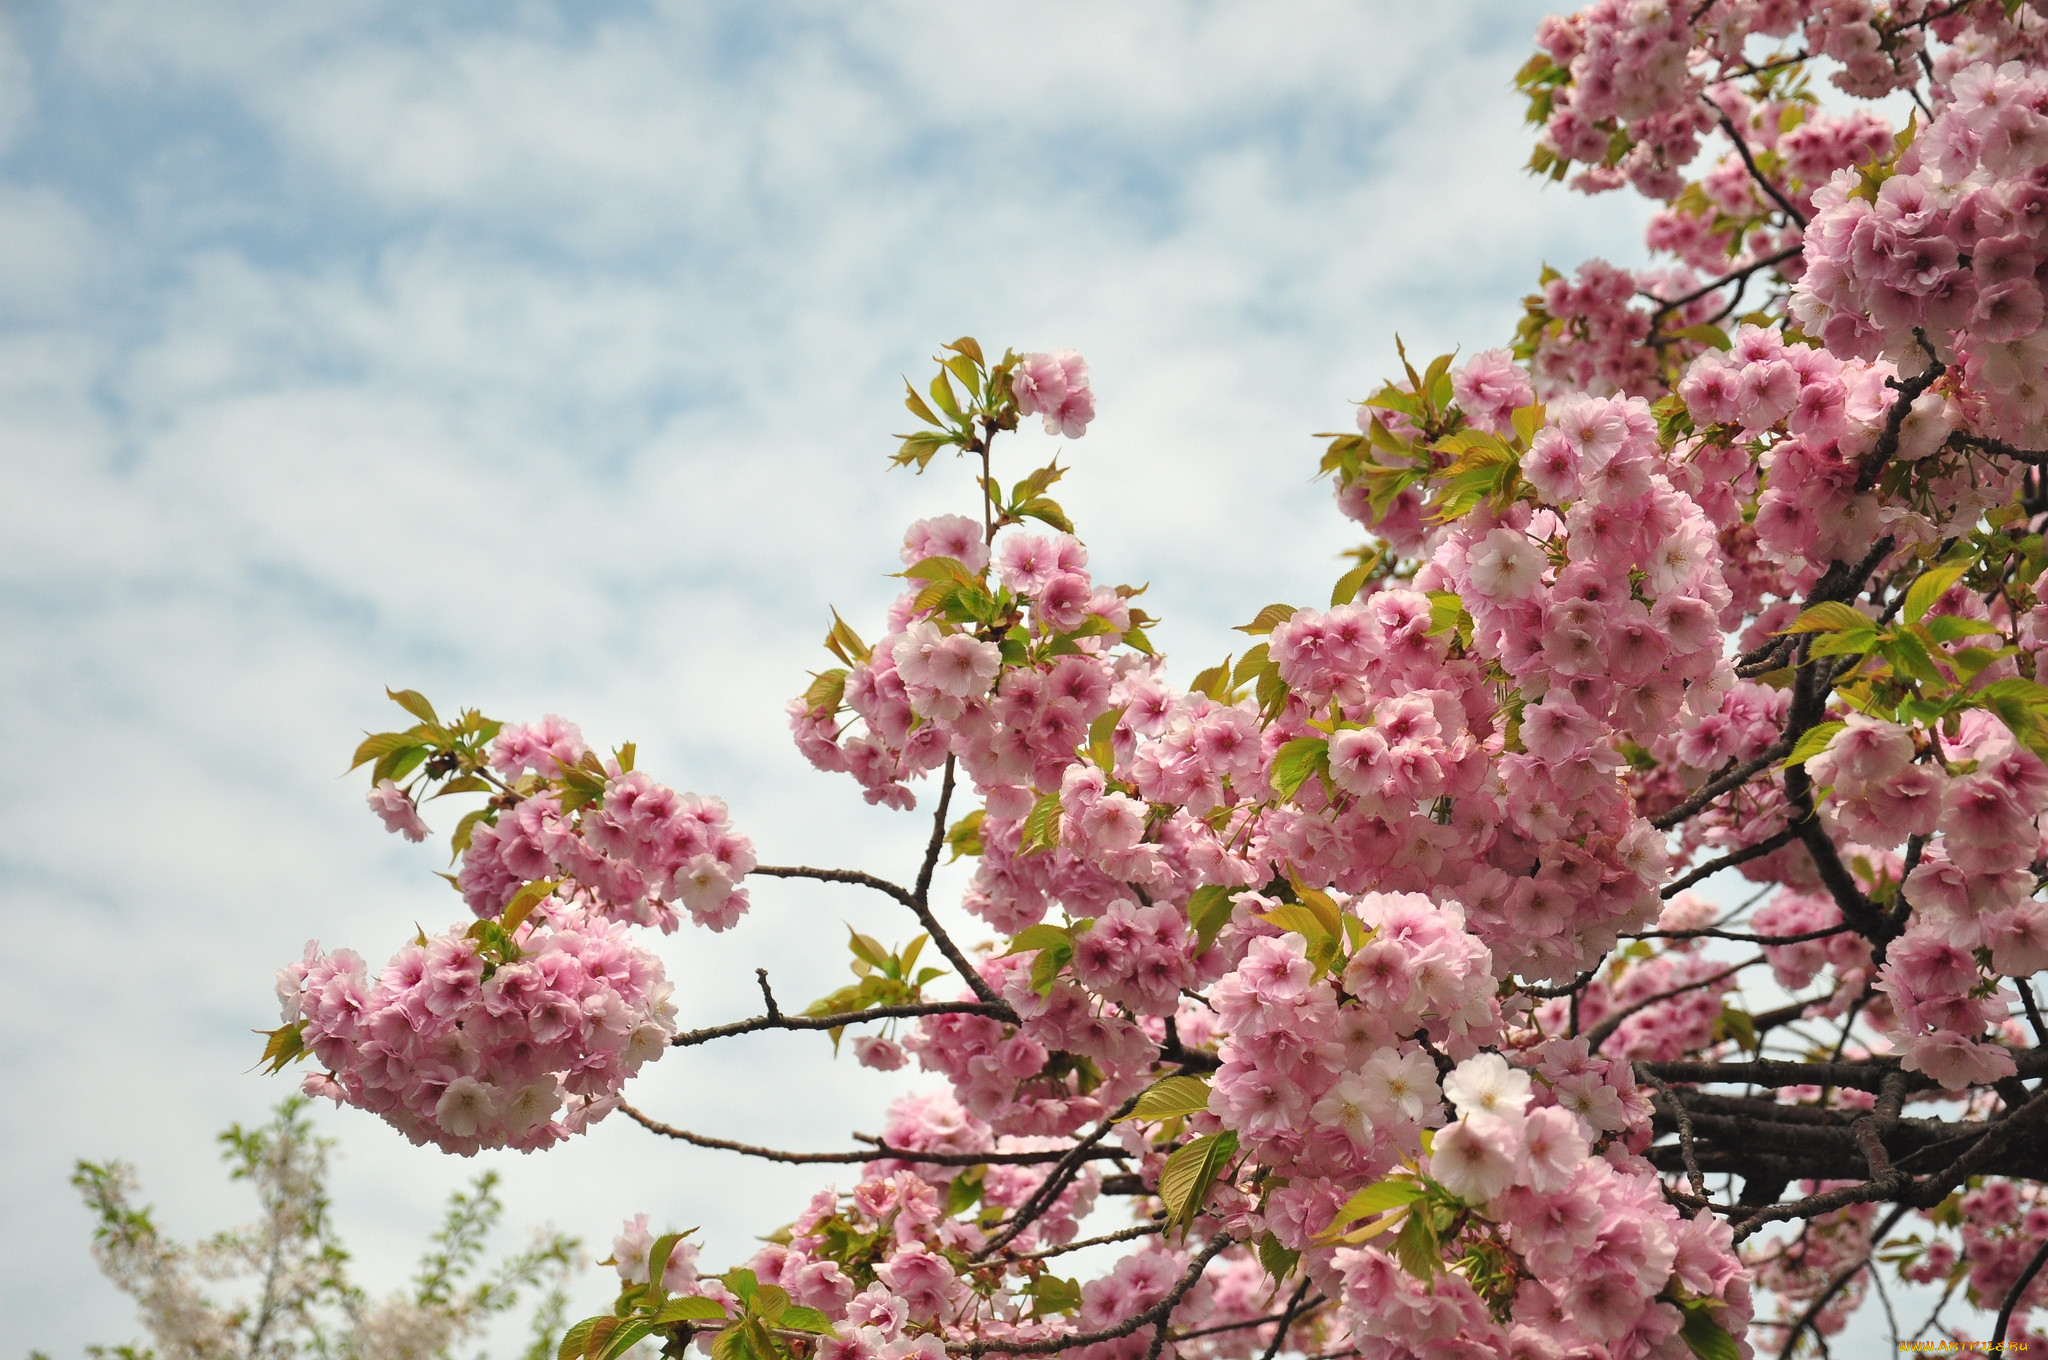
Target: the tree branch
(693, 1037)
(1158, 1312)
(880, 1152)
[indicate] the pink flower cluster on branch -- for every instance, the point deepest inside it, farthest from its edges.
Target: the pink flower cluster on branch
(1387, 967)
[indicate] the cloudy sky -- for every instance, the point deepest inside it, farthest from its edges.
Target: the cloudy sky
(543, 357)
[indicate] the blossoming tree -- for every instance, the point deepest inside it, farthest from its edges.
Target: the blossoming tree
(1367, 965)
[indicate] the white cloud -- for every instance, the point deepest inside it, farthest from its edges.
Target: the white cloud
(548, 363)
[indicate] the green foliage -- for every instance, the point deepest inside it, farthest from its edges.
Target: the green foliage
(298, 1299)
(886, 978)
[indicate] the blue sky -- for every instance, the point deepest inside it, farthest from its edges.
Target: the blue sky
(544, 358)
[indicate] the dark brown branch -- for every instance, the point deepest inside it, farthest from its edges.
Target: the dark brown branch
(1683, 1118)
(1840, 1282)
(1603, 1031)
(1287, 1316)
(879, 1152)
(1756, 173)
(1728, 861)
(691, 1038)
(1158, 1312)
(1895, 419)
(1714, 788)
(1714, 934)
(1666, 306)
(1124, 1235)
(2033, 1011)
(920, 903)
(854, 876)
(1055, 1182)
(1572, 988)
(2012, 1298)
(2037, 457)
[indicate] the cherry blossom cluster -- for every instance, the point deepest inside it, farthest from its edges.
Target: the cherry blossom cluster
(1946, 253)
(1365, 962)
(1608, 1262)
(468, 1047)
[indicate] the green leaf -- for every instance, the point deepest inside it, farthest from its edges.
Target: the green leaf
(1250, 664)
(1037, 482)
(573, 1339)
(1909, 657)
(1044, 935)
(1376, 1198)
(942, 394)
(1829, 616)
(1739, 1025)
(460, 840)
(1101, 736)
(524, 901)
(917, 405)
(415, 703)
(1446, 613)
(1949, 627)
(600, 1332)
(1932, 585)
(844, 643)
(690, 1310)
(828, 689)
(964, 836)
(1709, 1339)
(939, 569)
(1214, 682)
(1041, 825)
(1811, 743)
(657, 1264)
(797, 1318)
(1416, 1248)
(625, 1338)
(1295, 762)
(867, 949)
(1297, 918)
(1269, 618)
(1209, 909)
(1185, 1180)
(284, 1046)
(1321, 903)
(1351, 582)
(1170, 1096)
(1047, 510)
(1279, 1261)
(1050, 1294)
(382, 744)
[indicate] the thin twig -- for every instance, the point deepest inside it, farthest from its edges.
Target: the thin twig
(879, 1152)
(2019, 1287)
(693, 1037)
(1756, 173)
(1728, 861)
(1836, 1285)
(1056, 1181)
(1122, 1235)
(1601, 1032)
(1156, 1313)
